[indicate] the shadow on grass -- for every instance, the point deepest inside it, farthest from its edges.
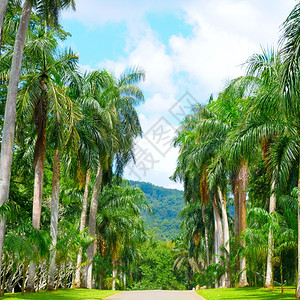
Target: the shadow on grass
(69, 294)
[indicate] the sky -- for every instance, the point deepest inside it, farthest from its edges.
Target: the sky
(189, 49)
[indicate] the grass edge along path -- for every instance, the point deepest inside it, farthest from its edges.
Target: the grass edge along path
(69, 294)
(247, 293)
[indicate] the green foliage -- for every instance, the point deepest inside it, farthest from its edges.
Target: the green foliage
(208, 276)
(155, 269)
(166, 205)
(259, 186)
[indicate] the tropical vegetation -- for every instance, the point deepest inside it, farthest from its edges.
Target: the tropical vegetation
(239, 163)
(68, 217)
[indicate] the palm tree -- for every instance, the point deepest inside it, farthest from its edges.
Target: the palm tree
(115, 100)
(84, 154)
(63, 116)
(41, 95)
(10, 114)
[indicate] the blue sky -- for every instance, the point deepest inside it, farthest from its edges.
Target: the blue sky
(188, 49)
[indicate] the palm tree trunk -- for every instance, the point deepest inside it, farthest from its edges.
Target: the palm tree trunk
(124, 280)
(188, 273)
(235, 189)
(226, 236)
(92, 226)
(4, 278)
(3, 7)
(243, 180)
(54, 217)
(10, 115)
(114, 274)
(58, 274)
(206, 235)
(25, 267)
(82, 225)
(269, 277)
(100, 281)
(281, 275)
(298, 277)
(65, 287)
(38, 279)
(95, 253)
(218, 236)
(40, 115)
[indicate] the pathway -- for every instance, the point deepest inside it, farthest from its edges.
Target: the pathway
(156, 295)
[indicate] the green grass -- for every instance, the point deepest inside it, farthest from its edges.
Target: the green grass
(69, 294)
(247, 293)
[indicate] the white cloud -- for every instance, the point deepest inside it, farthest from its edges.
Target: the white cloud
(86, 68)
(149, 54)
(225, 34)
(98, 12)
(157, 104)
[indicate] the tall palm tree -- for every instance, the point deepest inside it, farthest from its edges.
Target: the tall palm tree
(10, 114)
(42, 95)
(62, 118)
(115, 100)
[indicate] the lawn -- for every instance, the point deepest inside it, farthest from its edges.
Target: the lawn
(69, 294)
(247, 293)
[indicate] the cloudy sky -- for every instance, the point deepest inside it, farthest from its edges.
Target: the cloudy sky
(189, 49)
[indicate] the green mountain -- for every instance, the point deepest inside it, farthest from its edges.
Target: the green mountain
(166, 204)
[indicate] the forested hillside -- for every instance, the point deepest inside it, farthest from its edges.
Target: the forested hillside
(166, 204)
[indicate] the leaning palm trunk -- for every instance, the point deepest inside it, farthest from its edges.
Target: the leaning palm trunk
(218, 237)
(39, 166)
(243, 179)
(3, 7)
(10, 114)
(298, 279)
(54, 217)
(226, 236)
(92, 226)
(206, 236)
(269, 276)
(82, 225)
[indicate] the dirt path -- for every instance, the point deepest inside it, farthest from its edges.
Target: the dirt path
(156, 295)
